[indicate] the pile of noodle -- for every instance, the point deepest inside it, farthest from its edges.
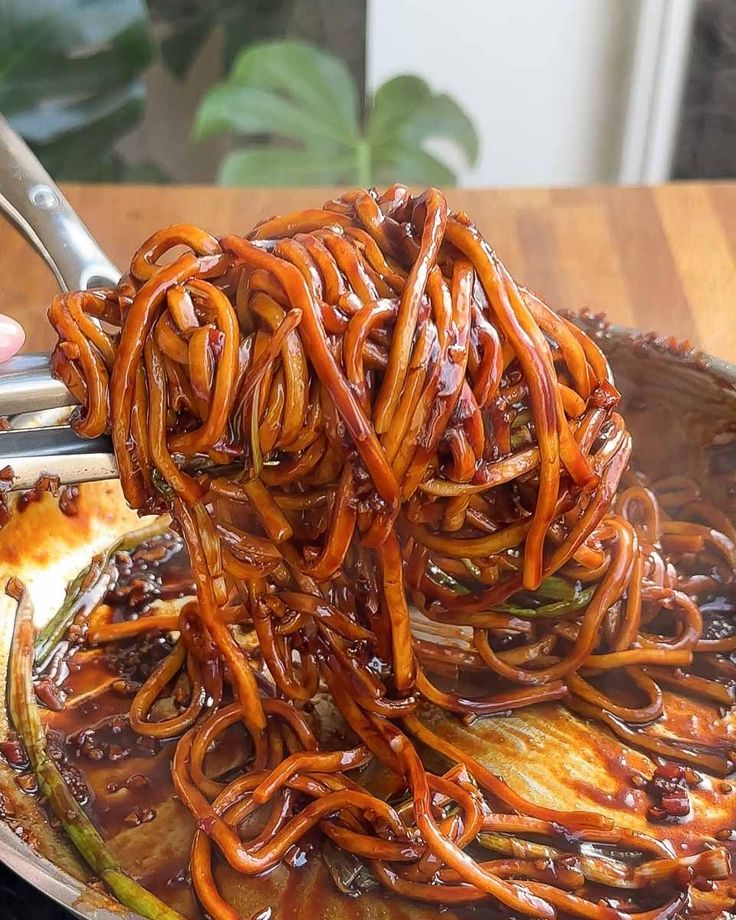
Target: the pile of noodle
(399, 472)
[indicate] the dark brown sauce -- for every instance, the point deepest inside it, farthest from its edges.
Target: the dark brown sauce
(125, 784)
(124, 780)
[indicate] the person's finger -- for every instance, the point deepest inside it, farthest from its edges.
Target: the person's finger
(12, 337)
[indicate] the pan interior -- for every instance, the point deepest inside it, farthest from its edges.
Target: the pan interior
(682, 414)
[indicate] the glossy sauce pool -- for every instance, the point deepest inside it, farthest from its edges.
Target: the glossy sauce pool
(124, 780)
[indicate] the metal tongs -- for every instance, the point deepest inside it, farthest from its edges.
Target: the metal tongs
(40, 441)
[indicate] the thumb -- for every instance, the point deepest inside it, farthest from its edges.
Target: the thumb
(12, 337)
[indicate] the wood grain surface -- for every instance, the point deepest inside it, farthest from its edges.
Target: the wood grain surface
(660, 259)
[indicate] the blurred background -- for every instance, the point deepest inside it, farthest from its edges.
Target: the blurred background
(329, 92)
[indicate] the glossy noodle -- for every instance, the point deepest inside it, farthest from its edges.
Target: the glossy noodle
(401, 480)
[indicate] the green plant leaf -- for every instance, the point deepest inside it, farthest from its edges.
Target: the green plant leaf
(269, 166)
(59, 49)
(392, 103)
(295, 109)
(70, 76)
(410, 165)
(229, 108)
(287, 90)
(84, 152)
(116, 110)
(406, 113)
(318, 81)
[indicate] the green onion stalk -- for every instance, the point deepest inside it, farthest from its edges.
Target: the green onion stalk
(608, 869)
(559, 608)
(88, 589)
(26, 719)
(564, 597)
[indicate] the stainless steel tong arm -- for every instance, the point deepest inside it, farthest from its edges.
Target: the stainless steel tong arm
(34, 204)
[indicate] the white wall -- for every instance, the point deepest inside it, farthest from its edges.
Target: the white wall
(545, 81)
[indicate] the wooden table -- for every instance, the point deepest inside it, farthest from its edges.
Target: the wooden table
(660, 259)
